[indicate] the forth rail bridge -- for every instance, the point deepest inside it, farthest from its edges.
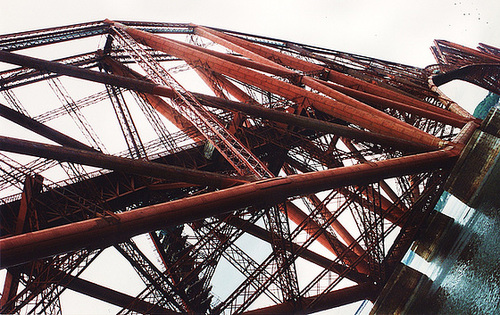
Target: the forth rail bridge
(305, 172)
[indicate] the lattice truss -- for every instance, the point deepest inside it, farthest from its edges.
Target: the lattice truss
(480, 67)
(260, 174)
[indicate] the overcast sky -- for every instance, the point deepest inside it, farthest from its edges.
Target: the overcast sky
(400, 31)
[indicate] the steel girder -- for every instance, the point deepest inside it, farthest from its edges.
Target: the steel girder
(270, 95)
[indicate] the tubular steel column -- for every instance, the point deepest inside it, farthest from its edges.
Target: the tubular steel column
(32, 187)
(338, 109)
(295, 151)
(18, 249)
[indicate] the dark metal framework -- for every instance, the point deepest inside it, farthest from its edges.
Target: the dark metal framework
(480, 67)
(327, 162)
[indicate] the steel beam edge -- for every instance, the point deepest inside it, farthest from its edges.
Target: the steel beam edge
(105, 231)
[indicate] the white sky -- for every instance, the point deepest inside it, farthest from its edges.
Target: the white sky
(400, 31)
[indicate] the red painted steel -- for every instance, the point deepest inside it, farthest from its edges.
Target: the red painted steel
(329, 300)
(303, 110)
(327, 240)
(111, 296)
(437, 113)
(337, 226)
(11, 283)
(375, 121)
(106, 231)
(41, 129)
(334, 76)
(94, 158)
(305, 253)
(159, 104)
(150, 88)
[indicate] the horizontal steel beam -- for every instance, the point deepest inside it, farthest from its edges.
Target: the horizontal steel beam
(98, 159)
(46, 36)
(360, 292)
(105, 231)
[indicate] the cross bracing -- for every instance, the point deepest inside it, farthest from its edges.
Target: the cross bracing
(213, 144)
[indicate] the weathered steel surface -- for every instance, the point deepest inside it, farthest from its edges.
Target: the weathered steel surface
(360, 139)
(115, 228)
(98, 159)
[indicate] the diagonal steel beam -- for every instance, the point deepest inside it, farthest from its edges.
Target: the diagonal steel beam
(305, 253)
(41, 129)
(364, 116)
(365, 291)
(117, 163)
(108, 230)
(334, 76)
(151, 88)
(111, 296)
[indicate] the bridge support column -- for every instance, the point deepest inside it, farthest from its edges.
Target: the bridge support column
(403, 292)
(475, 178)
(430, 242)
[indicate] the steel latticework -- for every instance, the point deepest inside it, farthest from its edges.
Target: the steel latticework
(304, 171)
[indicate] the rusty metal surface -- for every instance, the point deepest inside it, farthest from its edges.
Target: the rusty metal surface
(363, 147)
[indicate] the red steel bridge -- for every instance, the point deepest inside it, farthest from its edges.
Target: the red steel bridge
(305, 171)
